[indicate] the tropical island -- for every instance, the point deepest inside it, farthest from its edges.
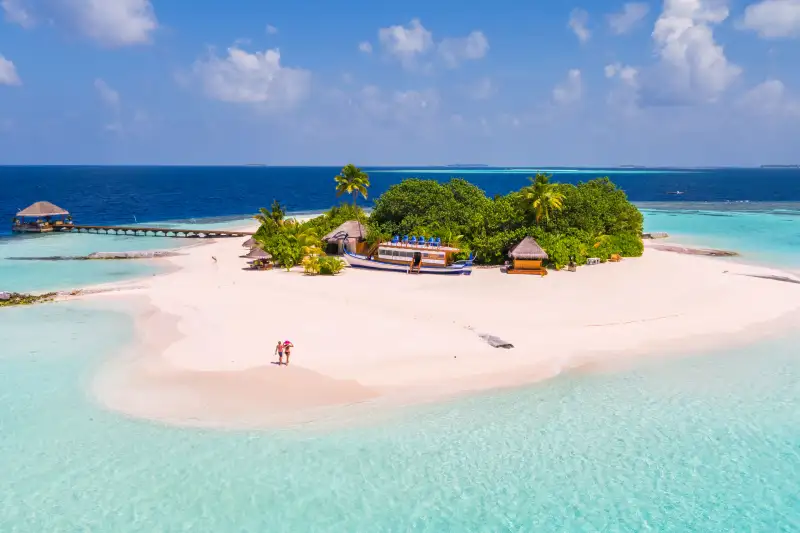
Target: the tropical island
(208, 327)
(571, 223)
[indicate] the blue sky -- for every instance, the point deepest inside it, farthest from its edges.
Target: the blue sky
(511, 82)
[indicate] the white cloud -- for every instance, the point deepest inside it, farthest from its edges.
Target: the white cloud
(569, 91)
(632, 14)
(406, 42)
(459, 49)
(256, 78)
(271, 30)
(365, 47)
(116, 23)
(109, 96)
(772, 99)
(108, 22)
(17, 13)
(398, 107)
(626, 74)
(483, 89)
(409, 43)
(577, 22)
(8, 72)
(693, 66)
(773, 19)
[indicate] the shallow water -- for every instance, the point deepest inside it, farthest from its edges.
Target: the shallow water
(701, 443)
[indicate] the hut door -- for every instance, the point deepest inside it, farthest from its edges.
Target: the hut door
(417, 258)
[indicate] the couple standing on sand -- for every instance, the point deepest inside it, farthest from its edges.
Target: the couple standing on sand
(281, 348)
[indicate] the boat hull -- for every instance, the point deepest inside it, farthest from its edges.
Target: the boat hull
(356, 261)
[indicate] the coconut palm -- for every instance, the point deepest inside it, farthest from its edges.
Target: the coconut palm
(543, 197)
(272, 217)
(352, 180)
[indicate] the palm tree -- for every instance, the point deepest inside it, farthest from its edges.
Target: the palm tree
(274, 216)
(352, 180)
(543, 197)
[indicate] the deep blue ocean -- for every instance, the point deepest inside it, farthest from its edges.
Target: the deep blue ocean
(122, 195)
(705, 443)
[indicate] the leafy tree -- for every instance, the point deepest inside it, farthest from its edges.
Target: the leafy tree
(542, 197)
(352, 180)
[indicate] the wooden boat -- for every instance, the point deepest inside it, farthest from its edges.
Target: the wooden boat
(397, 256)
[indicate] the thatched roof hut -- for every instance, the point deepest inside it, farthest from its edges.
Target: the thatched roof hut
(258, 253)
(249, 243)
(527, 248)
(43, 209)
(353, 228)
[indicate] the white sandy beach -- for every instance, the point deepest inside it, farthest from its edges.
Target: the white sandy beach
(208, 331)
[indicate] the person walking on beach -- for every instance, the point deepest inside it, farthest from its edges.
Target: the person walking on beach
(287, 347)
(279, 351)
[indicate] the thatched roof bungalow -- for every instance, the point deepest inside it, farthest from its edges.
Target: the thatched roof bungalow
(42, 209)
(527, 249)
(351, 228)
(356, 234)
(527, 256)
(258, 253)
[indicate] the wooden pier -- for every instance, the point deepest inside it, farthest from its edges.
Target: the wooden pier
(142, 231)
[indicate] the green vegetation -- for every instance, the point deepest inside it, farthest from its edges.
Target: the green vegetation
(591, 219)
(27, 299)
(570, 222)
(352, 180)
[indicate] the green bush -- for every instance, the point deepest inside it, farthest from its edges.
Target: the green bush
(330, 266)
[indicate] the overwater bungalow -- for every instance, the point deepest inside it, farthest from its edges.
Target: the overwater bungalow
(41, 217)
(527, 257)
(350, 235)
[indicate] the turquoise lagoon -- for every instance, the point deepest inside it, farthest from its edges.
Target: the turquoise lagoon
(703, 443)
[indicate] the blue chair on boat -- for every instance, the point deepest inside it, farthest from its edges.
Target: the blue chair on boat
(396, 239)
(405, 240)
(438, 241)
(412, 241)
(431, 242)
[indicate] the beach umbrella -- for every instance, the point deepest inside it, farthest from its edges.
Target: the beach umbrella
(258, 253)
(249, 243)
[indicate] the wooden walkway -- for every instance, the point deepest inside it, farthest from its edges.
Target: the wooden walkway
(142, 231)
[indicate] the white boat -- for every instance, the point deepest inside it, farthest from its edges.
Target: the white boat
(409, 258)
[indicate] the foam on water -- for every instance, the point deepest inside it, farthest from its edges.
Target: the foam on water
(704, 443)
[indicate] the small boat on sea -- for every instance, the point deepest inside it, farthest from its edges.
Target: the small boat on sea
(412, 256)
(674, 192)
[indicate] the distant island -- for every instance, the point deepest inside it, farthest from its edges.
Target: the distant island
(467, 165)
(631, 166)
(780, 166)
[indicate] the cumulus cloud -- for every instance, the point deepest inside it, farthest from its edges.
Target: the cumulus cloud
(365, 47)
(108, 95)
(406, 42)
(625, 94)
(570, 90)
(693, 67)
(773, 19)
(409, 43)
(253, 78)
(578, 20)
(456, 50)
(624, 73)
(8, 72)
(631, 15)
(770, 98)
(271, 30)
(109, 22)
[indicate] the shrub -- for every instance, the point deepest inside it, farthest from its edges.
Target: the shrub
(330, 266)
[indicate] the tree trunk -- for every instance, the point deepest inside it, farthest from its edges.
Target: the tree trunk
(355, 198)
